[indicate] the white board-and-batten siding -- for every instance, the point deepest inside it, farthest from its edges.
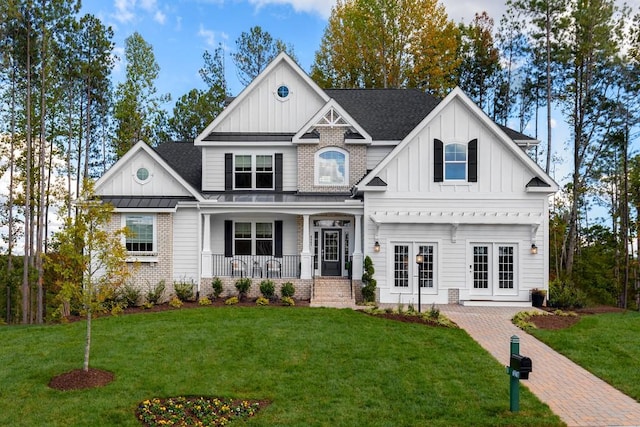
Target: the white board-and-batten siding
(262, 111)
(186, 244)
(500, 171)
(213, 166)
(124, 181)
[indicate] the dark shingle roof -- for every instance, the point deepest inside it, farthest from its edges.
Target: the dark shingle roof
(386, 114)
(185, 158)
(515, 135)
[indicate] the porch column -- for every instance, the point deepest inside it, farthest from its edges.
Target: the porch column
(207, 262)
(358, 259)
(306, 263)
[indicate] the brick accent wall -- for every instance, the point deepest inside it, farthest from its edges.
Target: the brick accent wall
(330, 137)
(146, 275)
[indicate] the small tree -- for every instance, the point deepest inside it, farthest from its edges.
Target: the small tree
(368, 282)
(91, 259)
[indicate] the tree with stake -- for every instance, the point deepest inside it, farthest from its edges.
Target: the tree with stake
(91, 257)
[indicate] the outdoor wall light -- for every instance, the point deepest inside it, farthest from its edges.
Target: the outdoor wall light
(534, 249)
(376, 247)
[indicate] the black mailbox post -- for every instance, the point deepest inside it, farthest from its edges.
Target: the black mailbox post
(519, 368)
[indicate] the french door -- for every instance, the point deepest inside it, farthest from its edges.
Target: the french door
(493, 269)
(408, 274)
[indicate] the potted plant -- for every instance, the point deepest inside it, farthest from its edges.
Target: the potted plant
(537, 297)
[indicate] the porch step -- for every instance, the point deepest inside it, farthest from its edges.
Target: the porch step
(332, 292)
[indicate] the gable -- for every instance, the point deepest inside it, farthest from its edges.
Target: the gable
(127, 177)
(502, 167)
(261, 109)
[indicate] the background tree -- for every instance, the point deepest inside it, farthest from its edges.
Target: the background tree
(137, 107)
(377, 43)
(480, 65)
(254, 51)
(196, 109)
(90, 257)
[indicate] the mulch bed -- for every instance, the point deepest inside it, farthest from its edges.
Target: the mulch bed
(553, 321)
(80, 379)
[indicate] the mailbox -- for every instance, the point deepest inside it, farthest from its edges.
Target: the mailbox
(522, 364)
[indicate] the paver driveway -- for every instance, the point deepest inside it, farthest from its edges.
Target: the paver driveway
(574, 394)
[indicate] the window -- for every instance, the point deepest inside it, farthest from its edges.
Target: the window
(283, 91)
(332, 167)
(246, 177)
(264, 238)
(242, 238)
(480, 267)
(142, 174)
(401, 266)
(425, 270)
(246, 233)
(455, 162)
(141, 228)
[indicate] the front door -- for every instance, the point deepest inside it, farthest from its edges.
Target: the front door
(331, 250)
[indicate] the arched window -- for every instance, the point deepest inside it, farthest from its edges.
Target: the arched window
(455, 162)
(332, 167)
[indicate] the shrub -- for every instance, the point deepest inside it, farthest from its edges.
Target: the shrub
(216, 288)
(128, 295)
(243, 285)
(262, 301)
(287, 290)
(287, 301)
(231, 301)
(175, 302)
(434, 312)
(204, 301)
(267, 289)
(184, 290)
(155, 294)
(565, 295)
(368, 282)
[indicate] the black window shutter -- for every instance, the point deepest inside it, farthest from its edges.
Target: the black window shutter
(278, 183)
(277, 250)
(228, 238)
(228, 171)
(437, 160)
(472, 161)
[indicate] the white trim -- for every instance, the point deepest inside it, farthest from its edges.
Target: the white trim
(282, 57)
(457, 93)
(124, 160)
(317, 121)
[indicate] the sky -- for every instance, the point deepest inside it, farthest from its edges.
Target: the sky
(181, 30)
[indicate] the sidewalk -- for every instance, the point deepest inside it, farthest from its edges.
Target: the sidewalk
(574, 394)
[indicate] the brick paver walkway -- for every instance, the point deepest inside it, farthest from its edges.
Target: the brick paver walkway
(574, 394)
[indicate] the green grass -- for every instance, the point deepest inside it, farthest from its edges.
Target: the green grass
(604, 344)
(319, 367)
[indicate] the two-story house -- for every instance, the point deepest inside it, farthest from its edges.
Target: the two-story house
(295, 183)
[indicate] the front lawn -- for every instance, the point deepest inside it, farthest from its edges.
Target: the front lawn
(604, 344)
(317, 367)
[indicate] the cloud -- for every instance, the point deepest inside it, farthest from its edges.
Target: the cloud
(159, 17)
(209, 36)
(320, 7)
(124, 10)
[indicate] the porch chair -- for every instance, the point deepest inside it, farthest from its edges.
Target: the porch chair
(238, 268)
(273, 268)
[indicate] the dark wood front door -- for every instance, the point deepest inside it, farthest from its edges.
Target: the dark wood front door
(331, 250)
